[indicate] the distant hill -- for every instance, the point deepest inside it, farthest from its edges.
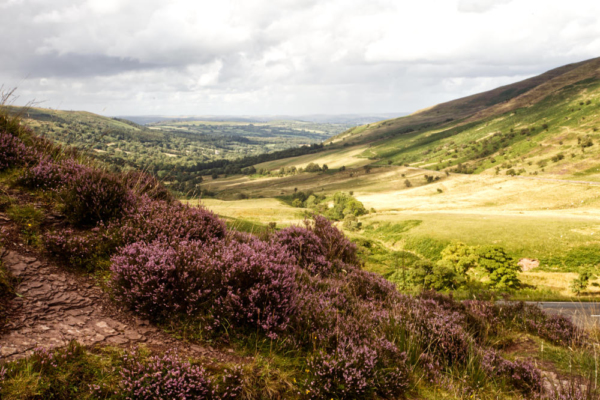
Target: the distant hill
(548, 124)
(348, 119)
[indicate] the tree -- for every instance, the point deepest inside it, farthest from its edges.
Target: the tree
(581, 283)
(325, 167)
(461, 256)
(367, 169)
(430, 276)
(501, 267)
(407, 183)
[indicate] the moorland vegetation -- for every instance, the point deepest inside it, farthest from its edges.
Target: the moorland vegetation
(296, 300)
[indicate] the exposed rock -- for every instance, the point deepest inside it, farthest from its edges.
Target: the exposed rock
(527, 264)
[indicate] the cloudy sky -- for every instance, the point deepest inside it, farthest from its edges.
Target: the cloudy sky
(244, 57)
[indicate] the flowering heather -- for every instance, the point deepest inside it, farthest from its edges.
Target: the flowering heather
(306, 247)
(521, 374)
(151, 220)
(354, 371)
(81, 250)
(338, 246)
(244, 283)
(13, 152)
(91, 196)
(166, 377)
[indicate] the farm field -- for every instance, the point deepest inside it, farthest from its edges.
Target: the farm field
(544, 220)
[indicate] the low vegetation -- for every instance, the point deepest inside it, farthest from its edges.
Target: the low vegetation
(298, 297)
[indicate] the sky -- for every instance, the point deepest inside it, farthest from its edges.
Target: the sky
(273, 57)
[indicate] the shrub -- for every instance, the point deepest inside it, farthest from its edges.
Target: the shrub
(343, 205)
(462, 257)
(521, 375)
(45, 175)
(501, 267)
(244, 283)
(87, 251)
(91, 196)
(337, 246)
(439, 276)
(166, 377)
(13, 152)
(581, 283)
(151, 220)
(141, 184)
(356, 371)
(306, 247)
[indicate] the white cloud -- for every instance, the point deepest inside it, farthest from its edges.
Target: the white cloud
(479, 6)
(285, 56)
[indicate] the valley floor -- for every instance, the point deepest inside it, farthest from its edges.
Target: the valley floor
(536, 218)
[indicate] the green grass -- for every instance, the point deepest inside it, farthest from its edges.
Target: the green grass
(540, 237)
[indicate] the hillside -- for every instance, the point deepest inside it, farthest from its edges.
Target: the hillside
(518, 166)
(111, 288)
(173, 150)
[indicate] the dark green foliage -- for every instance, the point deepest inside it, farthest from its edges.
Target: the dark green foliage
(438, 276)
(312, 167)
(581, 283)
(344, 205)
(502, 268)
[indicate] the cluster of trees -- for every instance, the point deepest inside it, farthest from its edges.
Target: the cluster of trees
(452, 271)
(345, 207)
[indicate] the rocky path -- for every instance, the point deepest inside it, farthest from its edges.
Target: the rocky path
(54, 307)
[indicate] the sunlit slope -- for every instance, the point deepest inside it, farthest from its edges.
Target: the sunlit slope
(547, 125)
(475, 107)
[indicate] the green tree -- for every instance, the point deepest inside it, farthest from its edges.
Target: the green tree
(462, 257)
(430, 276)
(581, 283)
(501, 267)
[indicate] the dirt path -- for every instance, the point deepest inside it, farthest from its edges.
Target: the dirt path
(54, 307)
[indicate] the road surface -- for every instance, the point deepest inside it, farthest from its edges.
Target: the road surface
(583, 314)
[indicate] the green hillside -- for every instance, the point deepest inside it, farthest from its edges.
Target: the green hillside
(172, 150)
(544, 125)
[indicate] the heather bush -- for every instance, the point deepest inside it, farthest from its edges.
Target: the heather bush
(307, 249)
(239, 283)
(48, 174)
(521, 374)
(319, 247)
(13, 152)
(166, 377)
(91, 196)
(337, 246)
(141, 183)
(87, 250)
(151, 220)
(442, 333)
(356, 371)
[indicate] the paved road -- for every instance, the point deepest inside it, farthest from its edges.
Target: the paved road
(583, 314)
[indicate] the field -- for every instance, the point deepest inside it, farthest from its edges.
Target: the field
(551, 221)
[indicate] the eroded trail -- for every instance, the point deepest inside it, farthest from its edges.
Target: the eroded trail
(54, 307)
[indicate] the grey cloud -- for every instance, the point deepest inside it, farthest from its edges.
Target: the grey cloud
(284, 57)
(79, 65)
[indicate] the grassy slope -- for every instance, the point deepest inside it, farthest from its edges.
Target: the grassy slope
(536, 215)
